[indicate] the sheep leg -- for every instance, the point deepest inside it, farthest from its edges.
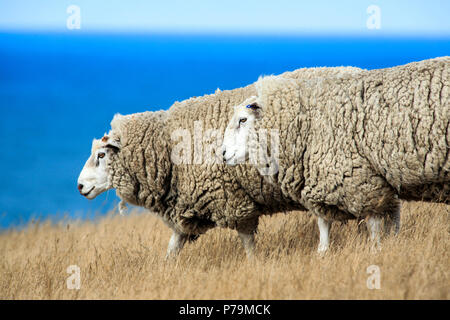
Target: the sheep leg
(396, 219)
(248, 241)
(122, 208)
(359, 225)
(324, 229)
(392, 220)
(176, 243)
(374, 228)
(325, 215)
(246, 231)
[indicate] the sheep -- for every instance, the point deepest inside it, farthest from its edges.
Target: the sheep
(135, 159)
(351, 147)
(143, 158)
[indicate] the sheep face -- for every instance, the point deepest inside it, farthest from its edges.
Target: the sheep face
(239, 131)
(95, 179)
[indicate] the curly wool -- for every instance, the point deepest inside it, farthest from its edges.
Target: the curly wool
(192, 198)
(351, 145)
(404, 132)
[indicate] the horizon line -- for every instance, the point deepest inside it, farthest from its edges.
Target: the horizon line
(220, 32)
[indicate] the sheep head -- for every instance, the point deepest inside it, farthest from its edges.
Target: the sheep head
(252, 135)
(95, 178)
(240, 130)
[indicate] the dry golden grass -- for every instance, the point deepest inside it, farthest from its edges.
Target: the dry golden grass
(123, 258)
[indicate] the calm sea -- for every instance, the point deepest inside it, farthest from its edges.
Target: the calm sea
(60, 90)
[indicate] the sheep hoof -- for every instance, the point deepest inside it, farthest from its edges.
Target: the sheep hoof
(322, 250)
(375, 248)
(170, 257)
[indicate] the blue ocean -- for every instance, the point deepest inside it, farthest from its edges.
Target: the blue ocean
(60, 90)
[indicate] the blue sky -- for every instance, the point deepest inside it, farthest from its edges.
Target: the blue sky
(276, 16)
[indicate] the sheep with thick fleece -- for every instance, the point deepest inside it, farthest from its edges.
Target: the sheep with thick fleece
(351, 146)
(150, 160)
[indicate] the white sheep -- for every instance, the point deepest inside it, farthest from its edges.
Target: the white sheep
(351, 146)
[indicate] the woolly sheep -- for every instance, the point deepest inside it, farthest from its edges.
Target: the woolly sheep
(351, 146)
(141, 158)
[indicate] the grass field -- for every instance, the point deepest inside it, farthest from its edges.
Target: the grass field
(123, 258)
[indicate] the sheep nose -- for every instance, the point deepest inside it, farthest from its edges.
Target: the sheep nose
(80, 187)
(223, 153)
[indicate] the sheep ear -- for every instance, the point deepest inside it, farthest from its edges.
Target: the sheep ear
(113, 144)
(253, 106)
(256, 109)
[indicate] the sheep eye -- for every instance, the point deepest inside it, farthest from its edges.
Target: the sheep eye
(101, 155)
(242, 120)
